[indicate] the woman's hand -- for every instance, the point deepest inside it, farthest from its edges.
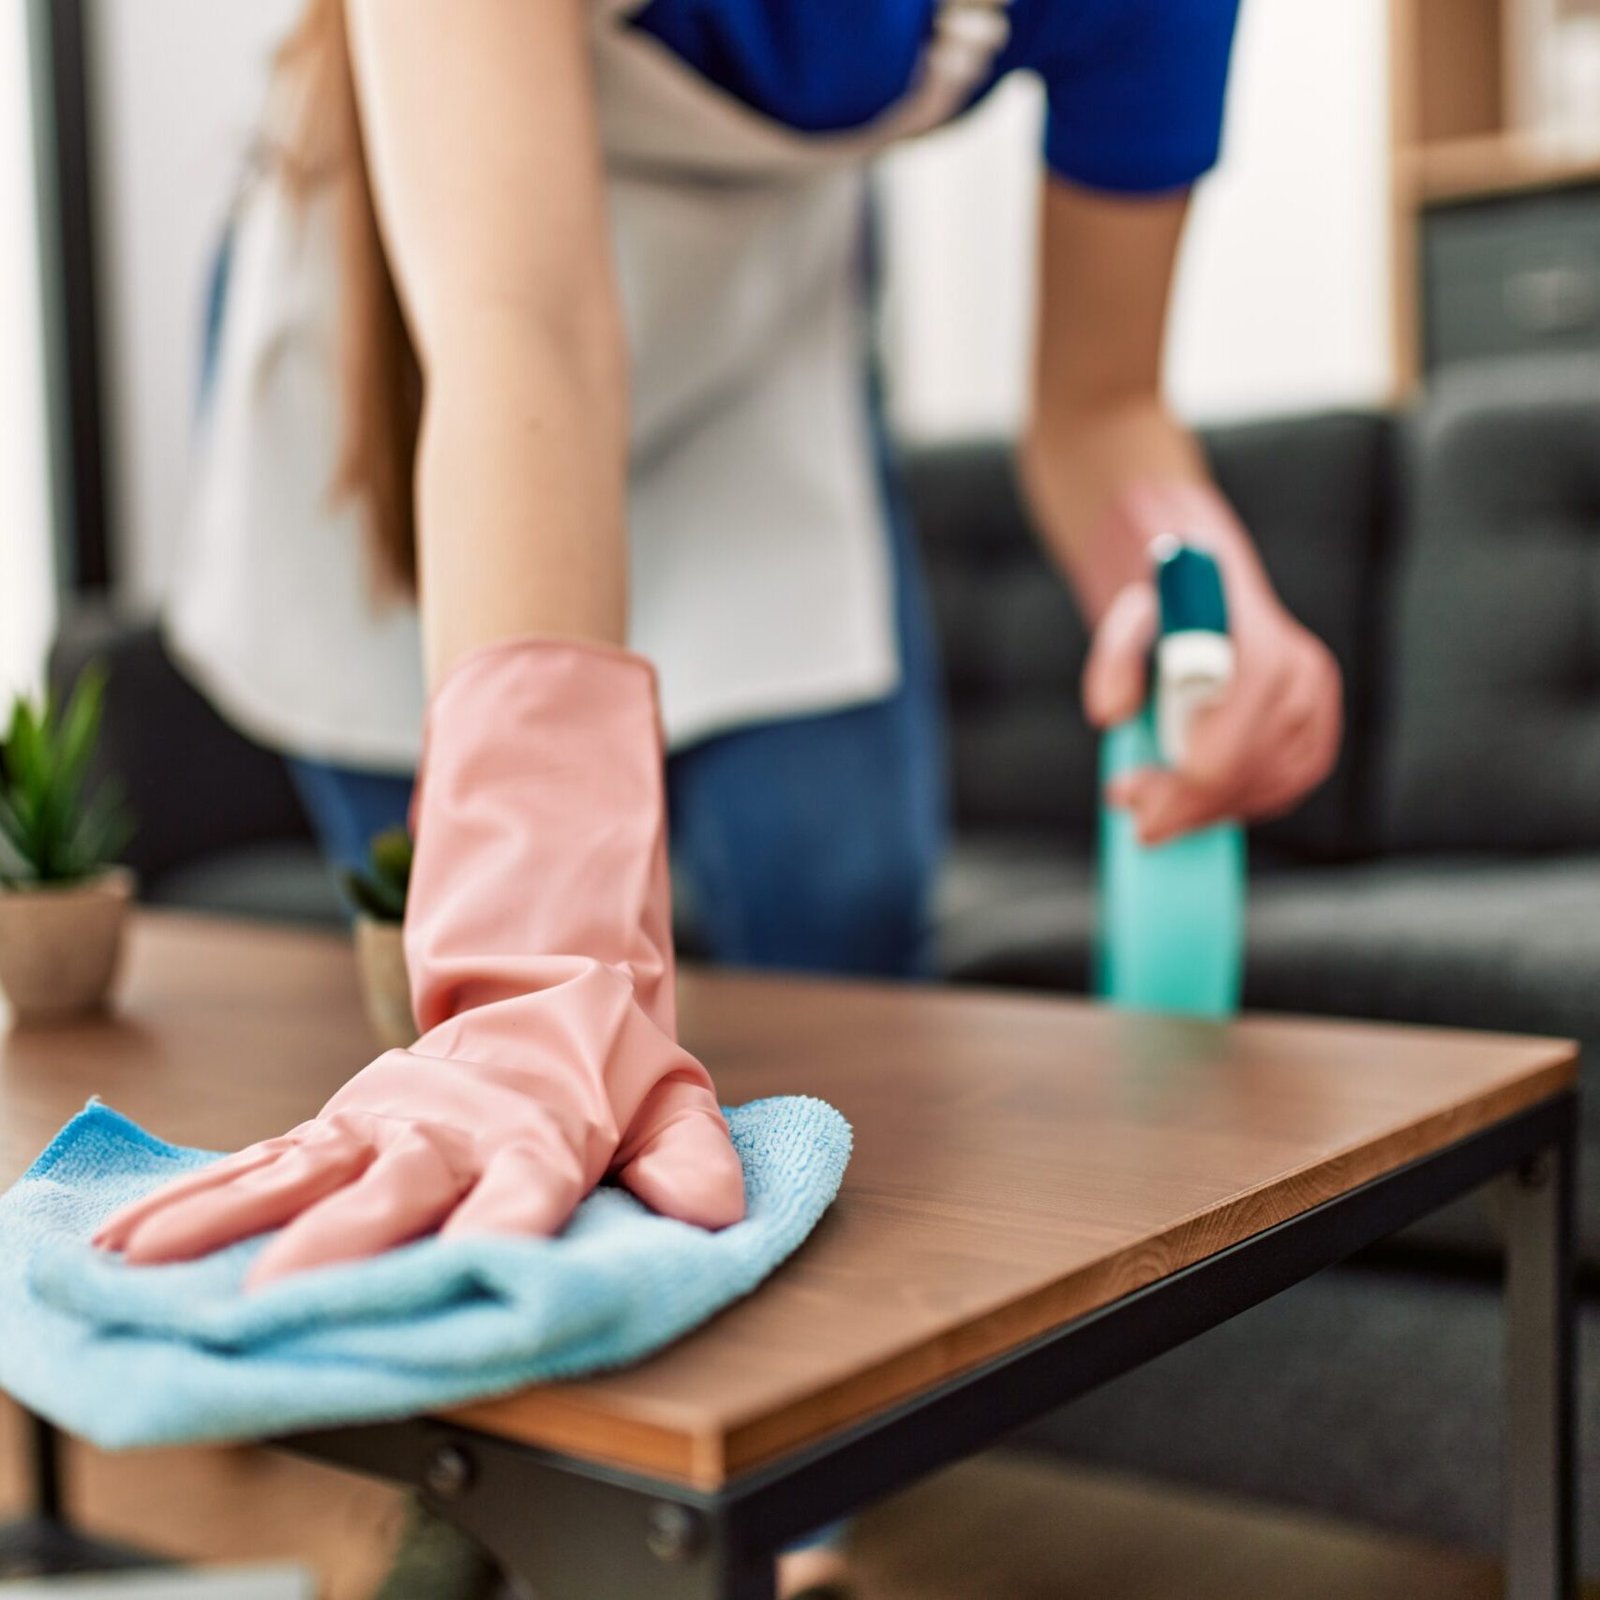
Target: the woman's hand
(498, 1122)
(539, 946)
(1260, 749)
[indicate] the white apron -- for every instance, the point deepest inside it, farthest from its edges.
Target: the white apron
(761, 581)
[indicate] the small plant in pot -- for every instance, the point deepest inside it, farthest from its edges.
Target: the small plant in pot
(63, 898)
(378, 893)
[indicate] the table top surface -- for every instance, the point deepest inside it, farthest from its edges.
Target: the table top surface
(1020, 1160)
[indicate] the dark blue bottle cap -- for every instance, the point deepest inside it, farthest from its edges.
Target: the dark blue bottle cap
(1189, 584)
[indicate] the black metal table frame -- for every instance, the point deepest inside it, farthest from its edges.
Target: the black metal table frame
(574, 1530)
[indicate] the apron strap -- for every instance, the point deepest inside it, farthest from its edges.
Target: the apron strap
(967, 36)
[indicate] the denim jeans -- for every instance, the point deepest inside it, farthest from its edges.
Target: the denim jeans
(810, 843)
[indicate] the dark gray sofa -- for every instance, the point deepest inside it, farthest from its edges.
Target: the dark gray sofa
(1449, 872)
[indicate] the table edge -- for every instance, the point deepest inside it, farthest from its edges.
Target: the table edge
(705, 1459)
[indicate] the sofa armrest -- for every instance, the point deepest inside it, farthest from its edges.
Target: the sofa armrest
(194, 784)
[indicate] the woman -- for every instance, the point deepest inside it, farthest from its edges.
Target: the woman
(601, 271)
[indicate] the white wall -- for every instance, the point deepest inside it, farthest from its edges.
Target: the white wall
(1283, 302)
(177, 87)
(26, 581)
(1282, 299)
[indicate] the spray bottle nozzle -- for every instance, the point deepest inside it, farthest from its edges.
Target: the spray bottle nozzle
(1194, 655)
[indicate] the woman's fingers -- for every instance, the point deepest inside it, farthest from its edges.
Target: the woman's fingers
(527, 1189)
(117, 1229)
(1299, 741)
(251, 1203)
(689, 1170)
(1114, 675)
(1164, 804)
(1309, 751)
(1253, 755)
(1229, 739)
(402, 1194)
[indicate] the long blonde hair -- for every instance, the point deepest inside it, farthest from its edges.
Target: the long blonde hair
(319, 150)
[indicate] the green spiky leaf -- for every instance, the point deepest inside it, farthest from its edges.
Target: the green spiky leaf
(56, 824)
(78, 731)
(380, 887)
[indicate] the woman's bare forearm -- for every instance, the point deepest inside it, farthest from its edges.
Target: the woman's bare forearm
(481, 136)
(1101, 440)
(1075, 466)
(521, 477)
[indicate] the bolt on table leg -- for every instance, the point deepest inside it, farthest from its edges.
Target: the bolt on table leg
(1540, 1482)
(568, 1536)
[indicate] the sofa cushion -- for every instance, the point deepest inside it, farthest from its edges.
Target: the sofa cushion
(1473, 942)
(1316, 493)
(280, 880)
(1494, 738)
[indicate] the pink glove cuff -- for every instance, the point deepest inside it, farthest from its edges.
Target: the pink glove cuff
(543, 768)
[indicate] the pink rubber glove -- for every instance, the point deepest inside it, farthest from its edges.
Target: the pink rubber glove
(1273, 737)
(538, 940)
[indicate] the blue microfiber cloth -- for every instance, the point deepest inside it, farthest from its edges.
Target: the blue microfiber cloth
(126, 1356)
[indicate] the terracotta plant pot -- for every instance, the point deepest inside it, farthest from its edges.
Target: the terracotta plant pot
(385, 988)
(60, 945)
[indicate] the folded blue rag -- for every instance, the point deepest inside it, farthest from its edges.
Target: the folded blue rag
(129, 1356)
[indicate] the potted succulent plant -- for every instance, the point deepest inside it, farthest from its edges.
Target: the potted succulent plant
(63, 898)
(378, 893)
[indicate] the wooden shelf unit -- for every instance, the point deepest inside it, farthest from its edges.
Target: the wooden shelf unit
(1493, 164)
(1459, 130)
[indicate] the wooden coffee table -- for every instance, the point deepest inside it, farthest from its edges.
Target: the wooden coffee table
(1044, 1195)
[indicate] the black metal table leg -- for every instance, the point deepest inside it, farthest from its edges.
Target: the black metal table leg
(44, 1461)
(563, 1530)
(1540, 1476)
(45, 1543)
(569, 1537)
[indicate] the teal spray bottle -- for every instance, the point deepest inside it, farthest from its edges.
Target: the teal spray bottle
(1172, 916)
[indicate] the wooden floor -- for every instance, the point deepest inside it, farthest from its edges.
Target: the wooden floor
(997, 1527)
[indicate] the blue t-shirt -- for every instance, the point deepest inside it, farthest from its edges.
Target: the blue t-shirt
(1134, 87)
